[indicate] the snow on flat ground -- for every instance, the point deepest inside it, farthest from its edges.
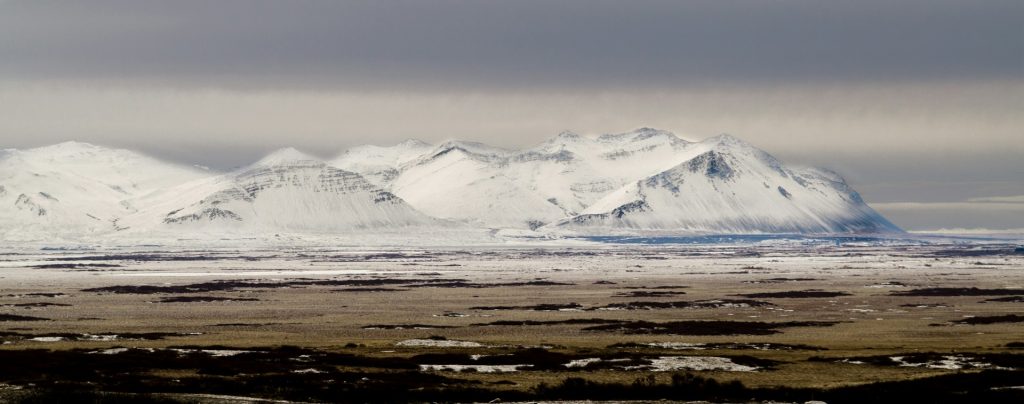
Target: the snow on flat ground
(441, 290)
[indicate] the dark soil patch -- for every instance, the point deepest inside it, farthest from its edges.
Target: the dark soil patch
(1009, 318)
(40, 304)
(706, 327)
(957, 292)
(537, 307)
(795, 294)
(658, 287)
(15, 317)
(1007, 299)
(282, 373)
(103, 336)
(583, 321)
(698, 304)
(227, 286)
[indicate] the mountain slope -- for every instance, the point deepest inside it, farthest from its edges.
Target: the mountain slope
(529, 188)
(77, 188)
(471, 183)
(380, 165)
(575, 171)
(285, 191)
(732, 187)
(644, 180)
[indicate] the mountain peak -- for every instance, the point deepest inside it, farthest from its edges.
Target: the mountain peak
(568, 135)
(470, 147)
(413, 144)
(640, 134)
(285, 155)
(725, 139)
(68, 147)
(560, 141)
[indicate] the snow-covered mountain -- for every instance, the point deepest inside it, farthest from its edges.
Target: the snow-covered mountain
(645, 180)
(380, 165)
(77, 188)
(731, 187)
(285, 191)
(561, 177)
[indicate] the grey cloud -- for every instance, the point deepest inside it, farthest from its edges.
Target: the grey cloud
(522, 44)
(912, 101)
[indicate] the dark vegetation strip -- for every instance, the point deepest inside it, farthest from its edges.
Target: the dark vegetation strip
(78, 376)
(698, 304)
(369, 290)
(1009, 318)
(252, 284)
(658, 287)
(957, 292)
(214, 286)
(795, 294)
(147, 336)
(583, 321)
(537, 307)
(39, 304)
(16, 317)
(706, 327)
(1007, 299)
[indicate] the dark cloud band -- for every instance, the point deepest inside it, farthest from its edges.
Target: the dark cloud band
(524, 43)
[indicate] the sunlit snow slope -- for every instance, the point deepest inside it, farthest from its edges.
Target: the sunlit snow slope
(732, 187)
(77, 188)
(285, 191)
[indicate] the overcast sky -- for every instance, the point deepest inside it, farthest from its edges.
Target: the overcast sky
(919, 103)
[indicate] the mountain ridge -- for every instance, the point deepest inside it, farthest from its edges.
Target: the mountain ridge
(636, 181)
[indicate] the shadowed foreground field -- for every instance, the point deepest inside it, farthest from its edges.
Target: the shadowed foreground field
(785, 322)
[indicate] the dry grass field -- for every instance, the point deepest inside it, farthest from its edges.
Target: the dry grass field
(790, 322)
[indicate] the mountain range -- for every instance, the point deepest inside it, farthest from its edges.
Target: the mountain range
(642, 181)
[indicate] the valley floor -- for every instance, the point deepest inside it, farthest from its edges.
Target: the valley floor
(789, 321)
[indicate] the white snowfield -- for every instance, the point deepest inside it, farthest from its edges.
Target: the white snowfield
(639, 182)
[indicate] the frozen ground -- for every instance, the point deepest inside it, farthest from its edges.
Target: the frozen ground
(795, 312)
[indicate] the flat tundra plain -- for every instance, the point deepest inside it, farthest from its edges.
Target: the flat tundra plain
(784, 320)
